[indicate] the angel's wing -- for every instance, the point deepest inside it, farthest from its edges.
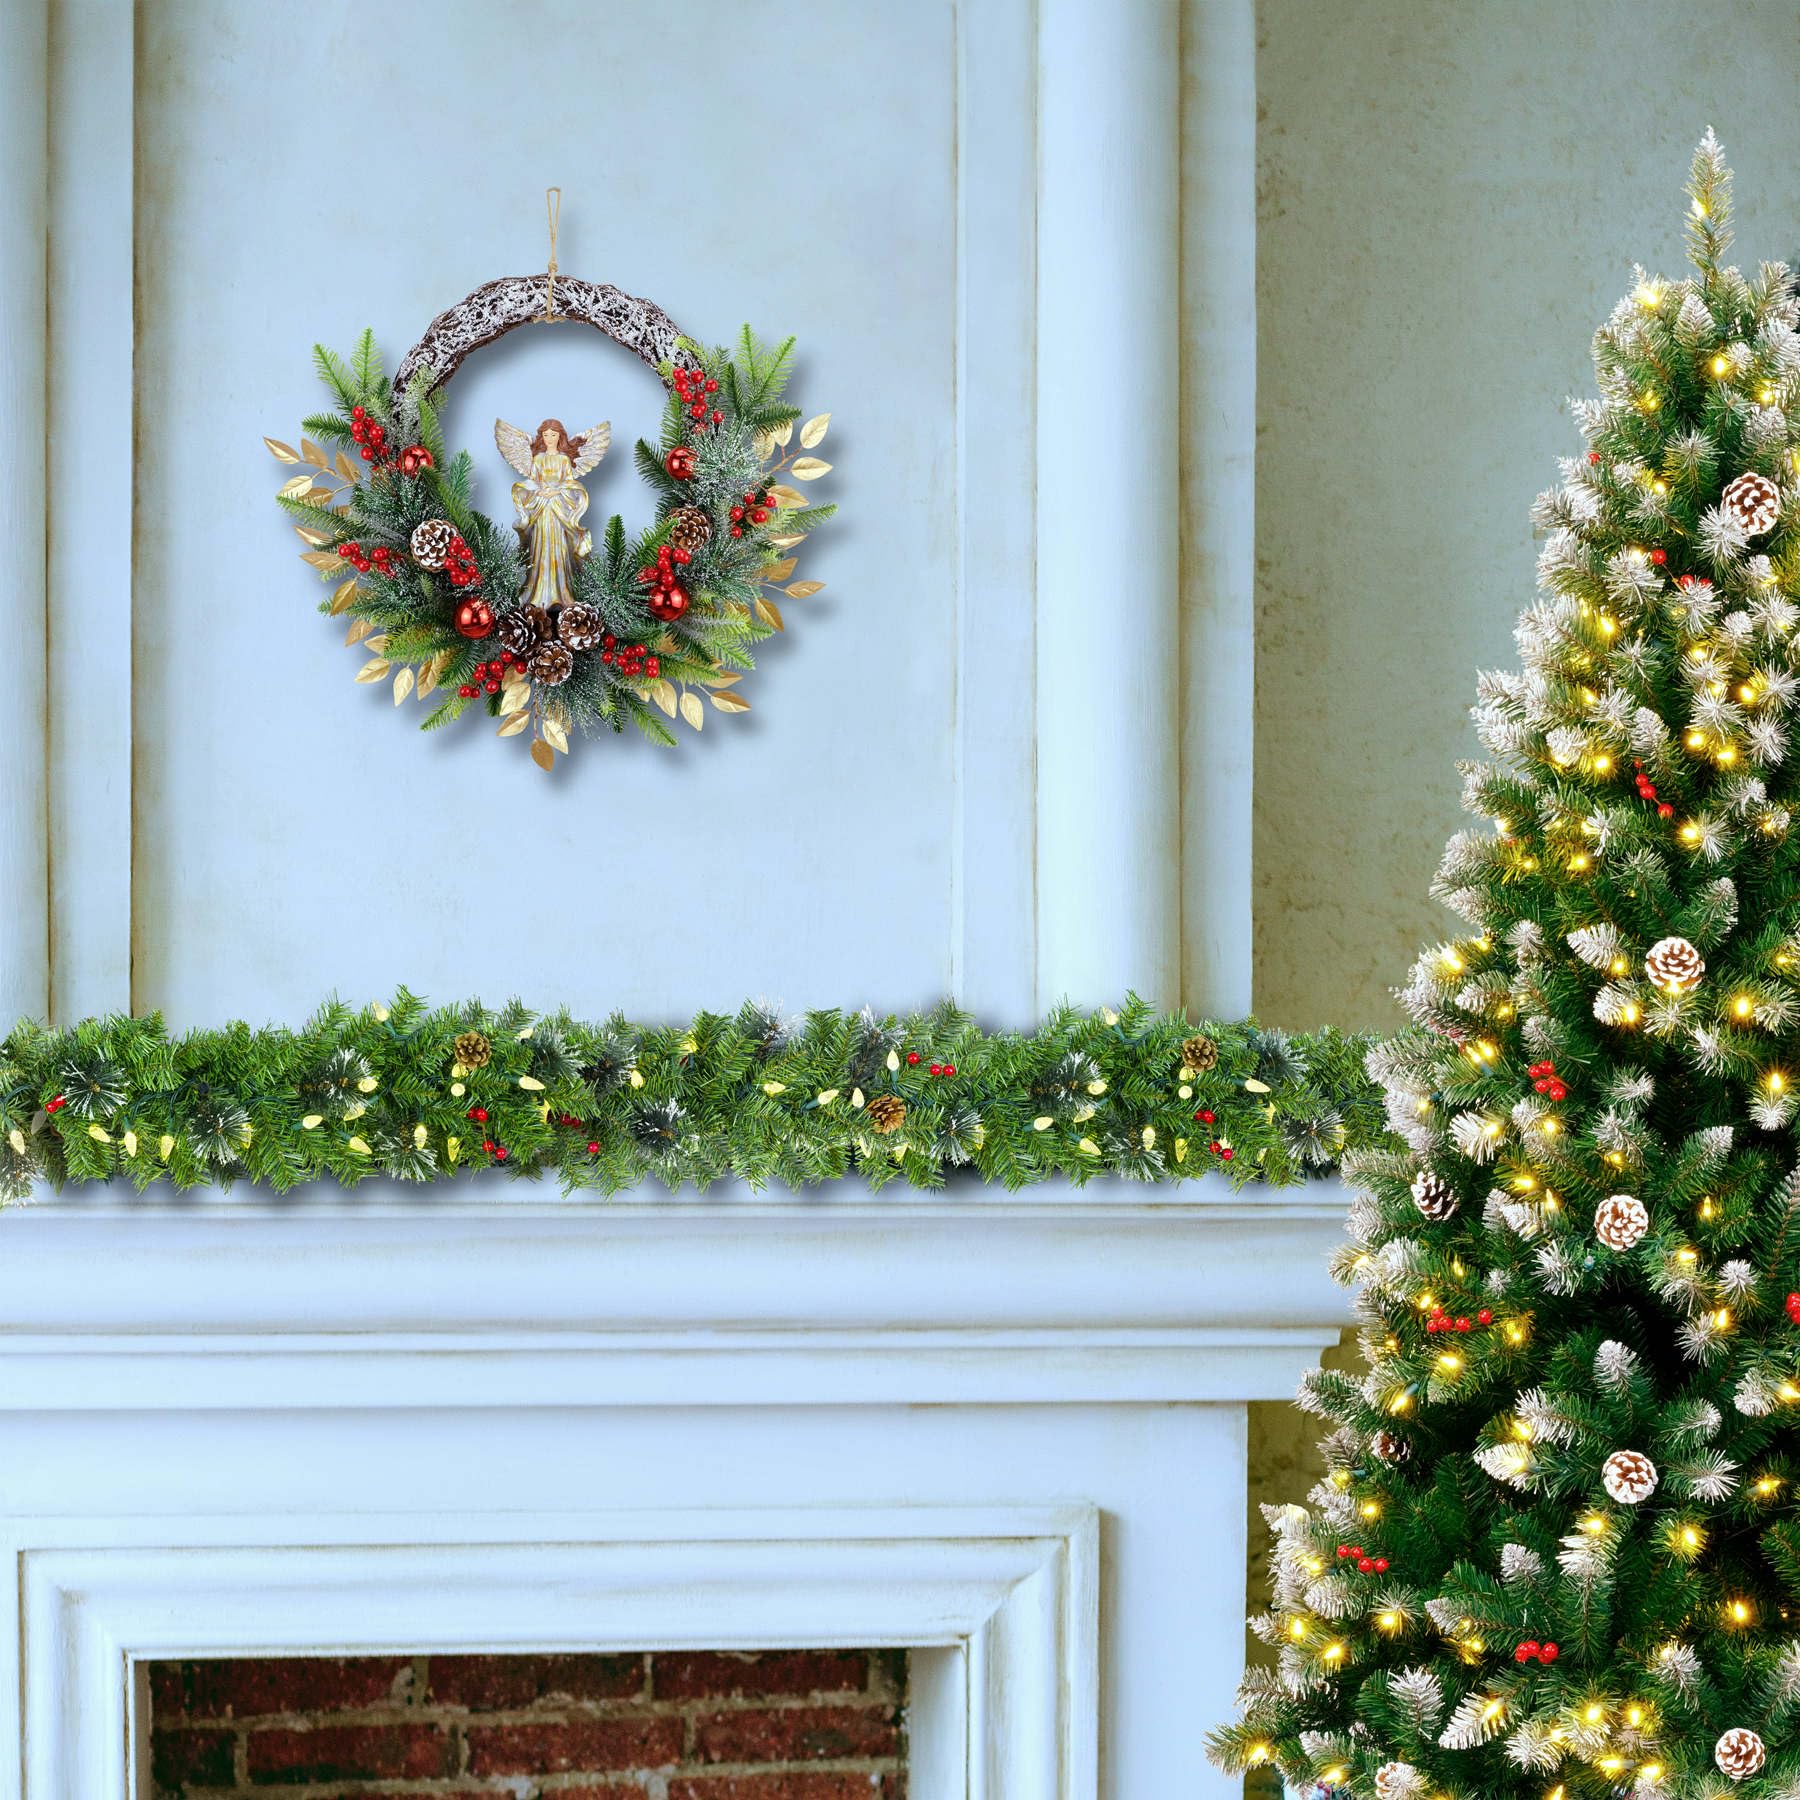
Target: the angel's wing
(594, 445)
(514, 445)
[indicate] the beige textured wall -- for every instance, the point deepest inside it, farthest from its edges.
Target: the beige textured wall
(1451, 194)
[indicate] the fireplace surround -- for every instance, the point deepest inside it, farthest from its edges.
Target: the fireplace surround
(1005, 1434)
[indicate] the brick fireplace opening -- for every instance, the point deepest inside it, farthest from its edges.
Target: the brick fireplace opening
(663, 1725)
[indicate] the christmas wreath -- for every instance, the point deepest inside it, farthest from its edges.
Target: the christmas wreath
(540, 626)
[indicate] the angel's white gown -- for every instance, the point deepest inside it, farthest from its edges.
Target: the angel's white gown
(550, 506)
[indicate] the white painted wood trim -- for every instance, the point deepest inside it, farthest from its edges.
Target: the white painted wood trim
(92, 420)
(24, 202)
(1013, 1592)
(1108, 452)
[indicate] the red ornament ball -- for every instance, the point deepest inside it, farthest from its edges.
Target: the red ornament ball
(680, 463)
(474, 618)
(669, 603)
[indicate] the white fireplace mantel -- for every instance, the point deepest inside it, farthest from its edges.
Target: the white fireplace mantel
(1007, 1432)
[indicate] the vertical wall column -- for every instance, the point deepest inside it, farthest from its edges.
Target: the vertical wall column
(1218, 502)
(24, 201)
(1109, 454)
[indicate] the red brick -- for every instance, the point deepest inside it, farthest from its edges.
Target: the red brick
(798, 1734)
(575, 1746)
(709, 1675)
(252, 1687)
(607, 1790)
(350, 1753)
(188, 1758)
(798, 1784)
(499, 1683)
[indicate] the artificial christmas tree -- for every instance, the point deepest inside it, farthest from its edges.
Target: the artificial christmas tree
(1586, 1501)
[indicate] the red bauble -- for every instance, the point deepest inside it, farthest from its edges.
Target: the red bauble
(414, 459)
(474, 618)
(669, 603)
(680, 463)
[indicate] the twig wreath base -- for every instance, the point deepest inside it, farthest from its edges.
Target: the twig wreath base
(406, 1091)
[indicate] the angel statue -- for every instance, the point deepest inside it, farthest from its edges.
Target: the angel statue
(550, 502)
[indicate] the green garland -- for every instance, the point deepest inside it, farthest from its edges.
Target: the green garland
(421, 1095)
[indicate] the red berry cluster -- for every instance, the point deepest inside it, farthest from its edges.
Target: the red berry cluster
(1365, 1563)
(371, 436)
(570, 1121)
(498, 1152)
(1546, 1081)
(1793, 1309)
(755, 507)
(56, 1105)
(459, 563)
(1647, 791)
(380, 559)
(668, 598)
(633, 661)
(415, 459)
(913, 1060)
(478, 1114)
(1439, 1320)
(488, 676)
(693, 389)
(1532, 1651)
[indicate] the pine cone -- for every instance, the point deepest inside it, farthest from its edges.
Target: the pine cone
(552, 665)
(689, 527)
(1752, 502)
(579, 626)
(1629, 1476)
(1390, 1447)
(1396, 1781)
(1674, 965)
(1620, 1220)
(1199, 1053)
(472, 1050)
(430, 541)
(1433, 1196)
(543, 622)
(887, 1112)
(1739, 1753)
(514, 631)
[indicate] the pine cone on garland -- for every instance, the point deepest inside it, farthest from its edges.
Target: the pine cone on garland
(1200, 1053)
(1674, 965)
(1629, 1476)
(1620, 1221)
(1396, 1781)
(431, 539)
(543, 622)
(472, 1050)
(1752, 502)
(690, 527)
(580, 626)
(887, 1112)
(514, 631)
(1433, 1196)
(1739, 1753)
(1390, 1447)
(552, 665)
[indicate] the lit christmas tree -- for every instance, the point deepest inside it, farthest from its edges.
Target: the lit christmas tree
(1557, 1550)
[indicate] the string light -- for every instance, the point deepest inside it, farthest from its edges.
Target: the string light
(1721, 365)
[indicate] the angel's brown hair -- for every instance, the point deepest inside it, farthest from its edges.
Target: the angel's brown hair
(571, 447)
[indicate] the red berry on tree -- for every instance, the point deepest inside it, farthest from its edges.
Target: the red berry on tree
(1365, 1566)
(912, 1056)
(1381, 1563)
(1548, 1654)
(1484, 1317)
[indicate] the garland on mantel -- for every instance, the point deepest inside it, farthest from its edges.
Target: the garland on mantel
(406, 1091)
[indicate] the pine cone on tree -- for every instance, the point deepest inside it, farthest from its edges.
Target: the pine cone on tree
(514, 631)
(431, 539)
(1629, 1476)
(1390, 1447)
(580, 626)
(1674, 965)
(472, 1050)
(690, 527)
(1739, 1753)
(552, 665)
(1620, 1220)
(1752, 502)
(1433, 1196)
(1396, 1781)
(1199, 1053)
(887, 1112)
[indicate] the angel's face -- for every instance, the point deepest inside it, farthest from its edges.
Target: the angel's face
(552, 439)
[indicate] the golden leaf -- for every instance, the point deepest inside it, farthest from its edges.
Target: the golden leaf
(764, 445)
(691, 710)
(724, 678)
(663, 693)
(782, 433)
(345, 467)
(322, 559)
(318, 495)
(809, 468)
(769, 613)
(403, 685)
(343, 595)
(514, 698)
(307, 535)
(314, 454)
(359, 629)
(776, 571)
(543, 755)
(783, 495)
(295, 484)
(282, 452)
(428, 677)
(803, 590)
(813, 431)
(374, 671)
(788, 540)
(513, 726)
(729, 702)
(377, 644)
(554, 735)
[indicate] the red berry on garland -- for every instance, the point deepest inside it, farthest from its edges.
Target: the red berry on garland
(680, 463)
(912, 1056)
(1527, 1650)
(1226, 1153)
(475, 618)
(1593, 456)
(500, 1154)
(465, 692)
(1548, 1654)
(478, 1114)
(949, 1068)
(1665, 811)
(712, 387)
(1381, 1564)
(1365, 1565)
(593, 1148)
(1659, 557)
(359, 412)
(1484, 1317)
(368, 455)
(937, 1068)
(56, 1105)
